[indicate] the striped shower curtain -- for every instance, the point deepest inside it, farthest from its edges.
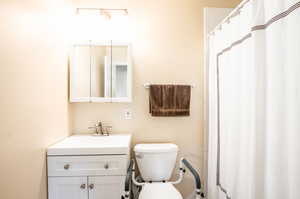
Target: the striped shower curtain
(254, 103)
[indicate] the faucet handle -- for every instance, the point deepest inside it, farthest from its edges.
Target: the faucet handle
(92, 127)
(108, 129)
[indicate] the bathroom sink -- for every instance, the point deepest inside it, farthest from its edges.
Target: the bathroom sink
(92, 145)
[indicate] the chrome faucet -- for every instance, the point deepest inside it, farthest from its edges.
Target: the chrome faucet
(99, 129)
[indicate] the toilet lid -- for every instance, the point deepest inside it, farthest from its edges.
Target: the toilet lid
(156, 148)
(159, 191)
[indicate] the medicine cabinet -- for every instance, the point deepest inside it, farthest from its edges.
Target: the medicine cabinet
(101, 72)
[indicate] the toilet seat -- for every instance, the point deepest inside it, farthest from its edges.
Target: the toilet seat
(159, 191)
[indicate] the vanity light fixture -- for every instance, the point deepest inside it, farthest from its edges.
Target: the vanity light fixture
(102, 11)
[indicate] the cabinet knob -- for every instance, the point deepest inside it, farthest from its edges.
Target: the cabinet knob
(82, 186)
(66, 166)
(106, 166)
(91, 186)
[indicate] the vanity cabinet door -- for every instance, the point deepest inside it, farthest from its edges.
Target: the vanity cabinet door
(67, 188)
(106, 187)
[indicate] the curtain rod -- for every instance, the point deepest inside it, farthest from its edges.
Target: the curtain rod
(232, 14)
(147, 85)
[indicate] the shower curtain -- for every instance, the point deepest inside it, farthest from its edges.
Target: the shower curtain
(254, 103)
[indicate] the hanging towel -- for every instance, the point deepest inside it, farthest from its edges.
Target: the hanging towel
(169, 100)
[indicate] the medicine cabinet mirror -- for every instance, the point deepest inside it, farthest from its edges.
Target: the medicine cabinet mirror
(101, 72)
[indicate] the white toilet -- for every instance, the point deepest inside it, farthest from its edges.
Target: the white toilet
(156, 163)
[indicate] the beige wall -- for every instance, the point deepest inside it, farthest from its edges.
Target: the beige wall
(167, 47)
(33, 92)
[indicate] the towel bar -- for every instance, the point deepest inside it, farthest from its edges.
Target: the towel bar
(147, 85)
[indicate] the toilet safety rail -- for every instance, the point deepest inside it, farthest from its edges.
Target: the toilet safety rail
(128, 182)
(130, 177)
(196, 176)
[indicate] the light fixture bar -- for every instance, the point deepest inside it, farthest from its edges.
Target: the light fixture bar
(105, 10)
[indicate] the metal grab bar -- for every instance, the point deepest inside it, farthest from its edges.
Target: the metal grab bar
(196, 176)
(194, 172)
(128, 179)
(128, 176)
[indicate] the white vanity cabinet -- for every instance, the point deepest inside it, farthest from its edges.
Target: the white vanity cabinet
(88, 167)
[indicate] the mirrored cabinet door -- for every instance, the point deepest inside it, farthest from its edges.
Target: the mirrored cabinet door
(80, 74)
(101, 73)
(121, 72)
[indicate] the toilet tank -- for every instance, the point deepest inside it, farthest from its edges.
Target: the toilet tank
(156, 161)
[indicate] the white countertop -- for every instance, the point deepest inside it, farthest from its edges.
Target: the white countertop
(92, 145)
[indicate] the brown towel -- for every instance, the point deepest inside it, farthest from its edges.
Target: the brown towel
(169, 100)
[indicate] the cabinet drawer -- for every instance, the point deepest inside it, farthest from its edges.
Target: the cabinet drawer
(87, 165)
